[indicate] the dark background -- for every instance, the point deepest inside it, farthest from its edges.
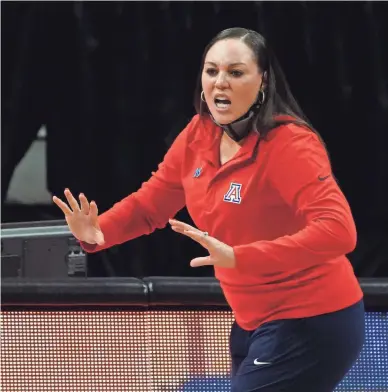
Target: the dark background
(113, 83)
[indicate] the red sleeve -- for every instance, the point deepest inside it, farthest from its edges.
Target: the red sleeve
(150, 208)
(300, 170)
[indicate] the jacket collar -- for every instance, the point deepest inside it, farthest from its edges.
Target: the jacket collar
(207, 137)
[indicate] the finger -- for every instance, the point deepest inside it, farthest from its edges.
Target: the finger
(100, 238)
(198, 235)
(201, 261)
(84, 204)
(93, 213)
(181, 225)
(63, 206)
(72, 201)
(178, 229)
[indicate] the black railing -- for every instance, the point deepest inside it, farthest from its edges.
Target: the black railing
(148, 292)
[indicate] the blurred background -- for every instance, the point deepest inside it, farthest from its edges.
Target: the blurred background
(93, 93)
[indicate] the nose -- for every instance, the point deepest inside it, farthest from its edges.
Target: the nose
(221, 81)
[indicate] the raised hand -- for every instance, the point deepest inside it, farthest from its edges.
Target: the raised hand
(82, 218)
(220, 254)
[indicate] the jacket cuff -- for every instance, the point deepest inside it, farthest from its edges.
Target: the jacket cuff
(89, 248)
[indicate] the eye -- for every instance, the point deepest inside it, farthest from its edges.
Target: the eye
(236, 73)
(211, 71)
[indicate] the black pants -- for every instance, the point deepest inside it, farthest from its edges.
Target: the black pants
(295, 355)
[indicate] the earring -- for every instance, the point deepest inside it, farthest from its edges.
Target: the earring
(261, 97)
(203, 97)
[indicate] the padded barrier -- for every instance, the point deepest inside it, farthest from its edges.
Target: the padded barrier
(155, 334)
(150, 292)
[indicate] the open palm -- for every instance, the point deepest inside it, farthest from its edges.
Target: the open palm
(82, 218)
(220, 254)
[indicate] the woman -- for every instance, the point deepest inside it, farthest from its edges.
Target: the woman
(256, 179)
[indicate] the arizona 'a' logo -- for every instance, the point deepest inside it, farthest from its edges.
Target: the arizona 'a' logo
(234, 193)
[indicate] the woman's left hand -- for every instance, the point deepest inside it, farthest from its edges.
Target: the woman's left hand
(220, 254)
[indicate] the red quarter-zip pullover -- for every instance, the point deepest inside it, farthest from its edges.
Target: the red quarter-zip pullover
(275, 202)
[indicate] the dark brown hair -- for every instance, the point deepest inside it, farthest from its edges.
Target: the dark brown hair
(279, 100)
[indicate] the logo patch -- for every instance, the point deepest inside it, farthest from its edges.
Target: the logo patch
(234, 193)
(323, 178)
(197, 172)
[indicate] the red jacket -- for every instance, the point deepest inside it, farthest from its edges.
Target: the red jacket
(276, 202)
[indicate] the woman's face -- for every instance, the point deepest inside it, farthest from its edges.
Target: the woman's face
(231, 80)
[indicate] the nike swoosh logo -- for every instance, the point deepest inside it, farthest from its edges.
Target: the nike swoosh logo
(256, 362)
(320, 178)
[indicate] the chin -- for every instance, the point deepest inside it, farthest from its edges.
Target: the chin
(223, 119)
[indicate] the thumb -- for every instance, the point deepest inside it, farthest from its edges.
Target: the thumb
(100, 240)
(201, 261)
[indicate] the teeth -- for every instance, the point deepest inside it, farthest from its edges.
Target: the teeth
(222, 105)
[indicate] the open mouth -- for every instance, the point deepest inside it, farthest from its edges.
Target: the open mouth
(222, 103)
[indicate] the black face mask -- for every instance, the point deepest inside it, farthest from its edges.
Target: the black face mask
(241, 127)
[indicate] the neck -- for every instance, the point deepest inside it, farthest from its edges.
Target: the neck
(231, 142)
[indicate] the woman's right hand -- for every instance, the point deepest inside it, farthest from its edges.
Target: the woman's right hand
(82, 218)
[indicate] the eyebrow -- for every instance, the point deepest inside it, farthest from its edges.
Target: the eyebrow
(230, 65)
